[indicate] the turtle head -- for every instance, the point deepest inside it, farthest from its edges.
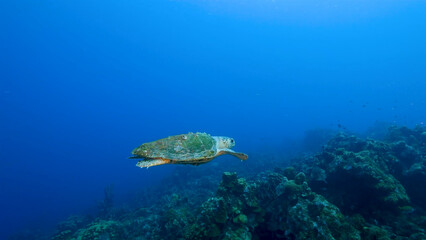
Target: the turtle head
(225, 142)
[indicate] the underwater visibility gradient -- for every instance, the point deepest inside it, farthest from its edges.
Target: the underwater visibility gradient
(326, 98)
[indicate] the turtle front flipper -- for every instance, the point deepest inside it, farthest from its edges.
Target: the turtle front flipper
(152, 162)
(241, 156)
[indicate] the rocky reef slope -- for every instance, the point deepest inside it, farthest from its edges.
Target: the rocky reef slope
(352, 189)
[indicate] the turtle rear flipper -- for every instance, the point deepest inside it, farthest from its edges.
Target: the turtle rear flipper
(241, 156)
(152, 162)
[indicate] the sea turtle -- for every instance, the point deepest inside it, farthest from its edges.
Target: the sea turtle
(191, 148)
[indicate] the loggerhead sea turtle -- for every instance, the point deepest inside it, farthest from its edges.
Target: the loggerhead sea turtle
(191, 148)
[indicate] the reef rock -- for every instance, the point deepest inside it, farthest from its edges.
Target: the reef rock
(272, 207)
(355, 175)
(353, 189)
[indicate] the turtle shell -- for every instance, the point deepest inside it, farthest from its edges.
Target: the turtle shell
(185, 147)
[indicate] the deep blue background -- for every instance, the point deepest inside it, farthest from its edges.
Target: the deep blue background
(84, 82)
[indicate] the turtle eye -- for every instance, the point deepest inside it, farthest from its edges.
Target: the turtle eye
(232, 140)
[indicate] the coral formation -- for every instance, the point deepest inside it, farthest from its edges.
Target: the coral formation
(357, 175)
(353, 188)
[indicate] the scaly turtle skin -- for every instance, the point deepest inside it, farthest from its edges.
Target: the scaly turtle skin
(191, 148)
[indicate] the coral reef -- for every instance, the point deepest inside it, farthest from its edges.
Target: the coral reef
(65, 229)
(409, 146)
(353, 188)
(357, 175)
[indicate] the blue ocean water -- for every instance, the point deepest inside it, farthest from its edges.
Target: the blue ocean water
(84, 82)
